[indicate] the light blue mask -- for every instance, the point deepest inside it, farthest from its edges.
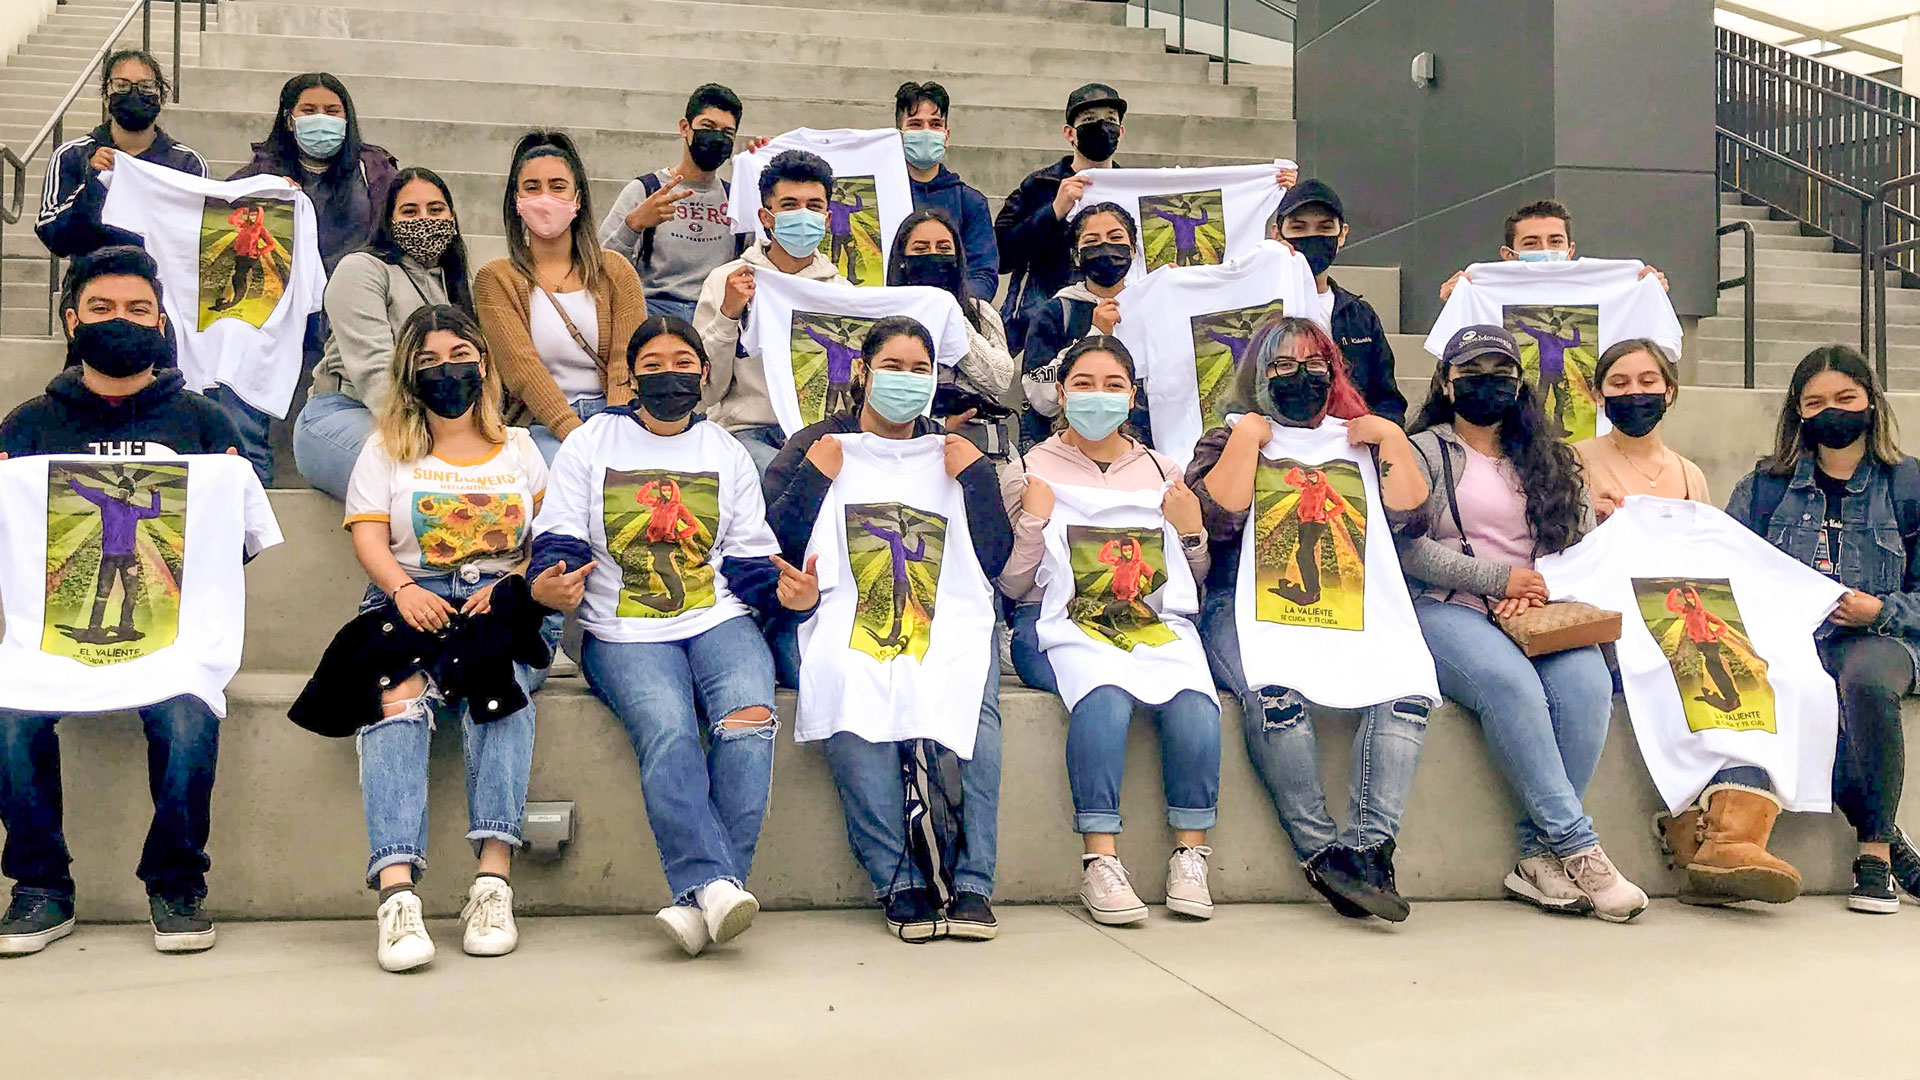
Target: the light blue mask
(1094, 415)
(925, 149)
(320, 136)
(799, 232)
(1546, 255)
(899, 396)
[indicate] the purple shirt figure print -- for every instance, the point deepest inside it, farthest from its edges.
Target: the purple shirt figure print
(853, 229)
(894, 552)
(1564, 348)
(113, 528)
(1185, 229)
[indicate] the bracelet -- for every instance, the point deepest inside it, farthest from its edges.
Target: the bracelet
(395, 594)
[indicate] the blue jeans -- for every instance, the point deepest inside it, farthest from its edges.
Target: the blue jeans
(256, 429)
(873, 796)
(705, 805)
(1029, 662)
(548, 442)
(1189, 758)
(394, 753)
(667, 305)
(183, 745)
(1545, 719)
(1286, 753)
(763, 444)
(327, 437)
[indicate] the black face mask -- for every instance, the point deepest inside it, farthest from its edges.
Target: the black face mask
(1834, 427)
(934, 269)
(709, 148)
(1097, 139)
(1301, 396)
(1485, 399)
(118, 348)
(449, 390)
(1636, 414)
(1319, 251)
(133, 110)
(1106, 265)
(668, 395)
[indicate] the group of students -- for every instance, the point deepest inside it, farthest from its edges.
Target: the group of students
(585, 412)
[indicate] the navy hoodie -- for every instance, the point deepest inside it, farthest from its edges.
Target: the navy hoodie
(968, 209)
(69, 221)
(71, 419)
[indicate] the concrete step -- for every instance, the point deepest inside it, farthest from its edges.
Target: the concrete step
(1787, 242)
(1732, 258)
(276, 857)
(1061, 11)
(1774, 361)
(1805, 332)
(1777, 274)
(1731, 371)
(1828, 303)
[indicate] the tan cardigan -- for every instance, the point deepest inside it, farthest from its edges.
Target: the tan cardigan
(501, 296)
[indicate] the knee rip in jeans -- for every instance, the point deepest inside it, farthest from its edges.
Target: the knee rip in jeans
(412, 702)
(1281, 708)
(1412, 711)
(757, 720)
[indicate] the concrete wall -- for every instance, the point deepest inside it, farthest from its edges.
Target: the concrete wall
(18, 19)
(1607, 106)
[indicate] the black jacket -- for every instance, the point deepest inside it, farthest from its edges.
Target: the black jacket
(71, 419)
(69, 221)
(472, 661)
(796, 490)
(1033, 247)
(1363, 341)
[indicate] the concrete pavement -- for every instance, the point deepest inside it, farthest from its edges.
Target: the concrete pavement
(1480, 990)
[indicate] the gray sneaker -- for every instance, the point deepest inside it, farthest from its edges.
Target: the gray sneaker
(1187, 892)
(1108, 894)
(1541, 881)
(1615, 899)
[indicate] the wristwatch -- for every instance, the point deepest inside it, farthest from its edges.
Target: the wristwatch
(1193, 541)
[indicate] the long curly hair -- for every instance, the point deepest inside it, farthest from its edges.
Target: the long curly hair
(1550, 473)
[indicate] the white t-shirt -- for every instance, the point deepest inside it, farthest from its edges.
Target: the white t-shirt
(441, 514)
(1118, 596)
(869, 200)
(1564, 315)
(1190, 217)
(1326, 306)
(807, 335)
(1187, 331)
(660, 512)
(115, 602)
(575, 370)
(899, 647)
(240, 269)
(1717, 656)
(1334, 623)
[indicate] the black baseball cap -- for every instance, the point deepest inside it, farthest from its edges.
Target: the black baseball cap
(1471, 341)
(1308, 192)
(1095, 94)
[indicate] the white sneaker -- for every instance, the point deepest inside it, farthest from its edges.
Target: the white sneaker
(1541, 881)
(1187, 892)
(687, 926)
(1108, 894)
(729, 909)
(489, 919)
(1615, 899)
(404, 944)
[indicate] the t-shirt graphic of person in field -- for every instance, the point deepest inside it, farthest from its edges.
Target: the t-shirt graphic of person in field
(895, 554)
(1565, 342)
(840, 357)
(1220, 339)
(1309, 521)
(1705, 630)
(1186, 229)
(111, 528)
(1318, 506)
(660, 527)
(853, 225)
(246, 259)
(669, 525)
(1721, 679)
(1114, 572)
(119, 562)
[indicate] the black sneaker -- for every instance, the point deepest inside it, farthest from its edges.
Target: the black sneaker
(1376, 866)
(34, 921)
(1906, 864)
(179, 926)
(912, 916)
(1873, 887)
(970, 918)
(1340, 896)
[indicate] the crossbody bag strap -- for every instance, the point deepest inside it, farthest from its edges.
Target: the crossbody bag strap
(1453, 505)
(578, 338)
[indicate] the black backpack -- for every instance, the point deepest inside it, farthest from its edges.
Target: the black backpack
(650, 183)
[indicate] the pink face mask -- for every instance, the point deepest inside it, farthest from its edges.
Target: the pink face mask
(547, 215)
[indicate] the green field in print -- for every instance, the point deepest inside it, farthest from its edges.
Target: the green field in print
(854, 242)
(1114, 571)
(895, 552)
(1310, 528)
(1697, 623)
(1188, 229)
(660, 528)
(246, 259)
(824, 348)
(116, 548)
(1559, 346)
(1219, 339)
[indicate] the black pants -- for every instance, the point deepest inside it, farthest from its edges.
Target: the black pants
(1716, 668)
(1306, 556)
(1870, 763)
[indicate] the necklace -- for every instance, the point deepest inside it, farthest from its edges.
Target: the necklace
(1652, 481)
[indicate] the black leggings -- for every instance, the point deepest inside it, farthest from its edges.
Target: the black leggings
(1870, 763)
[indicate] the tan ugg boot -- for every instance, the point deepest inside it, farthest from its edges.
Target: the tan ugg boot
(1732, 862)
(1679, 837)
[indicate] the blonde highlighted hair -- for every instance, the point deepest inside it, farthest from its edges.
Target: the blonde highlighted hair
(403, 419)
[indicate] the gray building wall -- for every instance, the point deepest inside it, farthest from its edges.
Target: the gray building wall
(1606, 105)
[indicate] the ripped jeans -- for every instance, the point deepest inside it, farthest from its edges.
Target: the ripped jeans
(705, 799)
(1284, 751)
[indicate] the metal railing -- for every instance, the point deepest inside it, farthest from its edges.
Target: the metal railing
(1226, 29)
(1887, 250)
(1747, 282)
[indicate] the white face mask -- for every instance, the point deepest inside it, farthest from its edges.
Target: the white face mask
(1543, 255)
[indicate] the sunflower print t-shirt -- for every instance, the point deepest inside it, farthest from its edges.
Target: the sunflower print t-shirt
(442, 515)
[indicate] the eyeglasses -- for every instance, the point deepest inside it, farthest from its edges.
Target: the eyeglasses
(121, 86)
(1315, 365)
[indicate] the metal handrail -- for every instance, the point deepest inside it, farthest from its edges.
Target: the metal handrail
(1818, 88)
(1226, 30)
(1747, 280)
(1880, 255)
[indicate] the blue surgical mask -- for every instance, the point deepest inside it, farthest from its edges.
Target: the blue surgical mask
(1094, 415)
(320, 136)
(899, 396)
(799, 232)
(1545, 255)
(924, 148)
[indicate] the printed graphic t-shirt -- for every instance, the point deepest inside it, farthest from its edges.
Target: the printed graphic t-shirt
(869, 200)
(1320, 599)
(1188, 330)
(240, 265)
(442, 515)
(1191, 217)
(662, 513)
(1716, 652)
(807, 335)
(122, 578)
